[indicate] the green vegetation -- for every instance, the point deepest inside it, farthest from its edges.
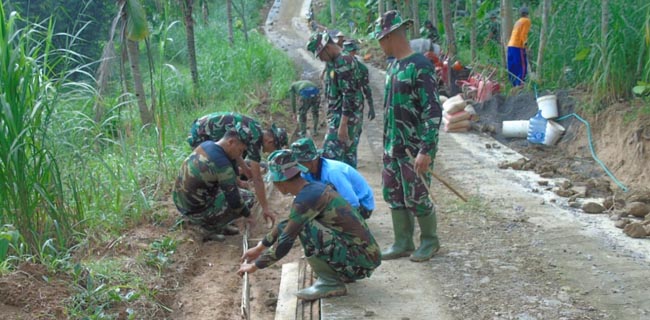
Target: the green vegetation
(72, 180)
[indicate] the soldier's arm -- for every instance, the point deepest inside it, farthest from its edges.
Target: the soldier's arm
(431, 113)
(292, 92)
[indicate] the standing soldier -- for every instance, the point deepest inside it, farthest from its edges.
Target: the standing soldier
(213, 127)
(206, 191)
(351, 47)
(344, 98)
(336, 241)
(309, 100)
(412, 117)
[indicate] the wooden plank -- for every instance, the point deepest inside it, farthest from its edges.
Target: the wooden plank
(287, 301)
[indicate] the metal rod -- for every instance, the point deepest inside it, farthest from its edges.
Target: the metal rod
(245, 299)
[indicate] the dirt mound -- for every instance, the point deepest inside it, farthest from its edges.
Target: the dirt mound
(622, 145)
(34, 290)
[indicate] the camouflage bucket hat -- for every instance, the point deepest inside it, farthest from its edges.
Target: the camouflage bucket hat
(349, 46)
(282, 166)
(280, 136)
(317, 42)
(304, 150)
(243, 133)
(389, 22)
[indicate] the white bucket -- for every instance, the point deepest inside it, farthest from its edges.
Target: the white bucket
(515, 129)
(548, 106)
(553, 133)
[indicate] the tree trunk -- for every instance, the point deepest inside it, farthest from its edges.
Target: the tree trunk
(134, 59)
(389, 5)
(506, 27)
(187, 6)
(472, 37)
(231, 37)
(449, 28)
(380, 7)
(205, 10)
(433, 12)
(542, 37)
(333, 11)
(416, 18)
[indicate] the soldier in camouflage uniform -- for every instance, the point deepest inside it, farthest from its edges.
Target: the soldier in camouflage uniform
(351, 47)
(344, 99)
(213, 127)
(206, 191)
(310, 100)
(412, 118)
(336, 240)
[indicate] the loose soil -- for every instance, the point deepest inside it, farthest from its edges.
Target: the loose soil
(500, 261)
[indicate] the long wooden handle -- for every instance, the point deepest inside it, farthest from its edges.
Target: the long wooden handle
(439, 178)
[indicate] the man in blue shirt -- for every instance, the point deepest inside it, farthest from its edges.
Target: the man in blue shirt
(343, 177)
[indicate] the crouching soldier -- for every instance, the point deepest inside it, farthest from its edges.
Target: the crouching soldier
(337, 242)
(206, 191)
(347, 181)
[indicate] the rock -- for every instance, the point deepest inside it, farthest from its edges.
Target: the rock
(640, 196)
(369, 313)
(638, 209)
(592, 207)
(574, 204)
(635, 230)
(564, 192)
(543, 182)
(547, 174)
(622, 223)
(608, 203)
(566, 184)
(580, 191)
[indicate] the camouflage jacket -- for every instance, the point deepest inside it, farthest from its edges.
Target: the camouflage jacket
(214, 126)
(411, 107)
(205, 173)
(343, 85)
(320, 206)
(365, 83)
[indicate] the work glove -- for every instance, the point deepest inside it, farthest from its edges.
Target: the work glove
(371, 113)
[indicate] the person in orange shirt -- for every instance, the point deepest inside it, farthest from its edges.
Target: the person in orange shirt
(517, 59)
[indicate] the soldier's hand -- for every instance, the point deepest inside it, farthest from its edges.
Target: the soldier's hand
(269, 217)
(246, 268)
(252, 253)
(371, 113)
(422, 162)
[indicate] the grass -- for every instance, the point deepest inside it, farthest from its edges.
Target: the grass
(71, 181)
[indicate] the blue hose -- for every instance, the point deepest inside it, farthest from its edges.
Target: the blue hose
(591, 148)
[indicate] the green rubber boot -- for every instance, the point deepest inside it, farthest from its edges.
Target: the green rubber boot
(403, 225)
(328, 284)
(429, 243)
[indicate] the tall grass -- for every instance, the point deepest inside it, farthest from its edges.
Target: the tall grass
(33, 194)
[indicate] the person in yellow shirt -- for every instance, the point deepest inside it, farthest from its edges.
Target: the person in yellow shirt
(517, 59)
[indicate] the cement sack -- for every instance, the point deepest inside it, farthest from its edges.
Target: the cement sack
(456, 117)
(447, 126)
(465, 129)
(455, 104)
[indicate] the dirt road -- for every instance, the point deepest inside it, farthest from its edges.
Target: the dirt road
(514, 251)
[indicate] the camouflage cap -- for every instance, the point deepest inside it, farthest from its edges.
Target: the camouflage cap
(304, 150)
(389, 22)
(280, 136)
(243, 133)
(317, 42)
(349, 46)
(282, 166)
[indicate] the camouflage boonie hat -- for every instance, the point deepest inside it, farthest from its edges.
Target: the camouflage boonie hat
(280, 136)
(304, 150)
(317, 42)
(349, 46)
(282, 166)
(244, 133)
(389, 22)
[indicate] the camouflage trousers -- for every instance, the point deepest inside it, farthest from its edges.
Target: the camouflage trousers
(219, 215)
(345, 256)
(403, 189)
(334, 149)
(308, 104)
